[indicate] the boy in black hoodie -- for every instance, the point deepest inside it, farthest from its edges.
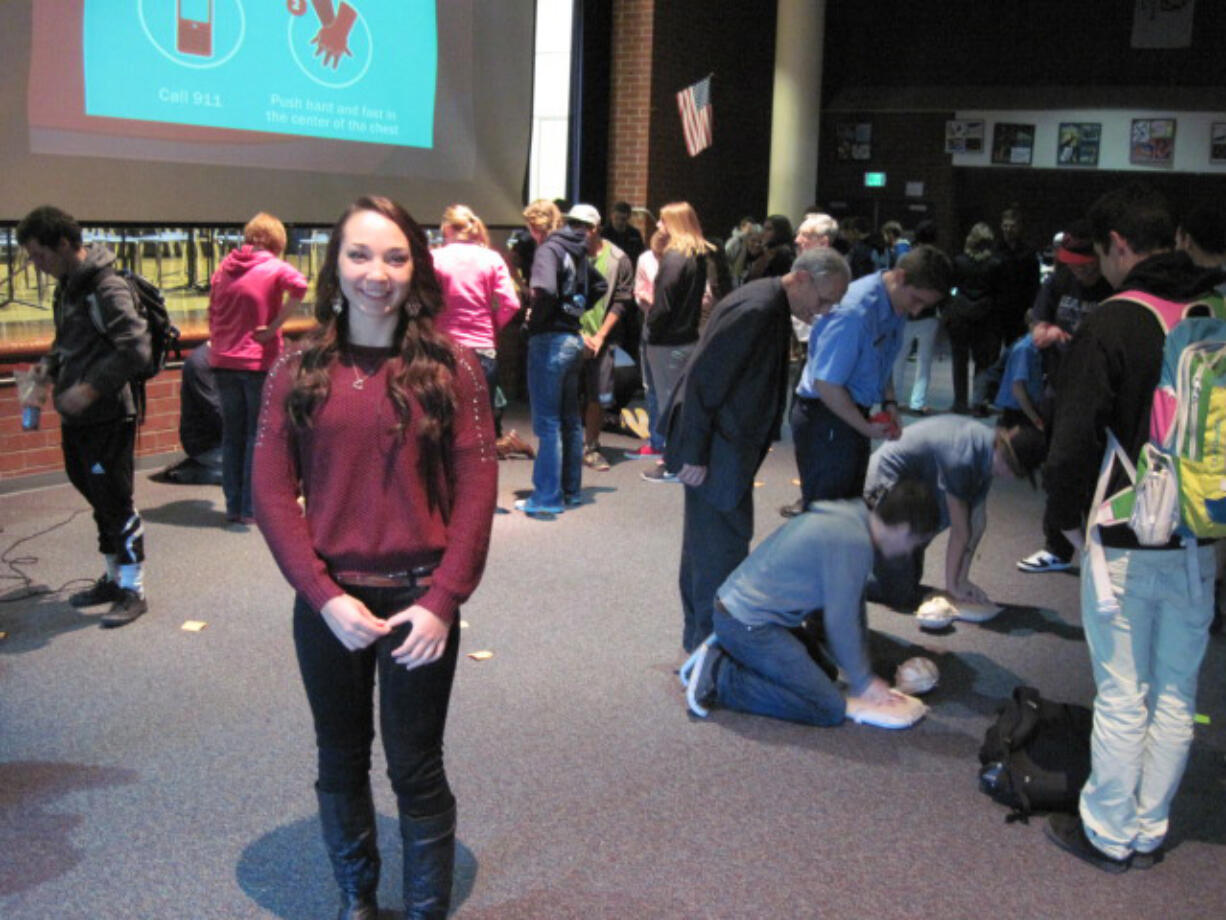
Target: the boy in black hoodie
(91, 371)
(564, 286)
(1147, 654)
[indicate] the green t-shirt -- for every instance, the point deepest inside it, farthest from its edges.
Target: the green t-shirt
(591, 320)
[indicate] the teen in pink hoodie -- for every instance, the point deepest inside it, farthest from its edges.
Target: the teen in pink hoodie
(253, 293)
(479, 297)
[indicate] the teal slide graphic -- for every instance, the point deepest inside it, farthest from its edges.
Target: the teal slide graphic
(350, 70)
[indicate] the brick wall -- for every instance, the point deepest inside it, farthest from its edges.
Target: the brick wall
(659, 48)
(630, 100)
(26, 453)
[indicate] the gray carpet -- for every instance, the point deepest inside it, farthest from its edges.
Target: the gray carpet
(152, 772)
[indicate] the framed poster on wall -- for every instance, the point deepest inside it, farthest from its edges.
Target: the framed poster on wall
(1078, 142)
(854, 140)
(1217, 142)
(1152, 142)
(963, 136)
(1012, 144)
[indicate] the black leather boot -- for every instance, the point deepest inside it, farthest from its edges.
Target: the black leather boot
(429, 860)
(348, 820)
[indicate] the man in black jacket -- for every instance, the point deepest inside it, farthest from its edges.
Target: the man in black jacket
(101, 343)
(726, 410)
(1146, 647)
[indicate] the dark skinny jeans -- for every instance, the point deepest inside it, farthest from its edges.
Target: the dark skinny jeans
(412, 705)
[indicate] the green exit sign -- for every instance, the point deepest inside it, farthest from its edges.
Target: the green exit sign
(874, 180)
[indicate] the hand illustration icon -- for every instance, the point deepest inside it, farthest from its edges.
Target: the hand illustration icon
(332, 41)
(323, 10)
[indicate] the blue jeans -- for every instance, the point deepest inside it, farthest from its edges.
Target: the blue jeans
(769, 672)
(651, 395)
(489, 367)
(554, 360)
(240, 393)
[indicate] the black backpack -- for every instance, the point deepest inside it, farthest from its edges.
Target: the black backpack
(163, 333)
(1036, 755)
(573, 293)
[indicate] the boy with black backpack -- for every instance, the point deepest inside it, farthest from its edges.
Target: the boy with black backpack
(93, 363)
(1147, 642)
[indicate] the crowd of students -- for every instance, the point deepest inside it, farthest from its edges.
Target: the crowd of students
(367, 453)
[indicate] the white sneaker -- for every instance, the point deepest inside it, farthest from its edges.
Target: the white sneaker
(701, 684)
(1043, 561)
(901, 711)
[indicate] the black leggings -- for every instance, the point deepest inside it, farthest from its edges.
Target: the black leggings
(412, 705)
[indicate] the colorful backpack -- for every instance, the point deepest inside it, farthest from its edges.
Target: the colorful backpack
(1179, 483)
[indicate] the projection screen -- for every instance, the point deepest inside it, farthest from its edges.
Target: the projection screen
(208, 110)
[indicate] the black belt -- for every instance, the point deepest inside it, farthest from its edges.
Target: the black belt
(811, 400)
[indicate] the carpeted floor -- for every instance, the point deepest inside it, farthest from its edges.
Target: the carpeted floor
(155, 772)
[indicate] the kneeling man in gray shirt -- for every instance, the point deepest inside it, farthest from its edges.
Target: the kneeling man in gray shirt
(820, 560)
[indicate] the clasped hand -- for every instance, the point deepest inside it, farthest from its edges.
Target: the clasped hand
(356, 627)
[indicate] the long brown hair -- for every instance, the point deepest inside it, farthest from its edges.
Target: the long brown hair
(424, 367)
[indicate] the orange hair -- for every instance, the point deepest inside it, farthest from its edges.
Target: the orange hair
(265, 232)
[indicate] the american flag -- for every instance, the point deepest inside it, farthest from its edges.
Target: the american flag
(694, 103)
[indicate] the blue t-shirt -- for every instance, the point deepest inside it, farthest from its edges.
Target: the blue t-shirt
(952, 454)
(1024, 364)
(855, 344)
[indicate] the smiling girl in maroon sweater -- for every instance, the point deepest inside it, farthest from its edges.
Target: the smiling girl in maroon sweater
(383, 426)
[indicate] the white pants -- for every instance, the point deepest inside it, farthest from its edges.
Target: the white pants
(924, 333)
(1145, 659)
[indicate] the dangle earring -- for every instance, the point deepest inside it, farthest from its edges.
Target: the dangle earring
(337, 303)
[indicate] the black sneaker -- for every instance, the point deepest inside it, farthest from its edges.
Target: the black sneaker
(1148, 860)
(659, 474)
(790, 511)
(1067, 832)
(127, 607)
(103, 591)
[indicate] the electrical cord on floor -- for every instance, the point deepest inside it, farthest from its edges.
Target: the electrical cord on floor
(12, 564)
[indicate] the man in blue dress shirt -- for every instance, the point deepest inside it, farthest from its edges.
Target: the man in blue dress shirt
(851, 356)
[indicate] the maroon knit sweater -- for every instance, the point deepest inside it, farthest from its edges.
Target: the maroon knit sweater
(366, 505)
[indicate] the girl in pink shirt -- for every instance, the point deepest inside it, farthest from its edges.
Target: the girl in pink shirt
(479, 297)
(251, 295)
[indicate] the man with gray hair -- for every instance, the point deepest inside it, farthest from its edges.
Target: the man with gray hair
(725, 411)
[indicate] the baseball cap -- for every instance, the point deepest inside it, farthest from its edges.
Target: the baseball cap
(585, 214)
